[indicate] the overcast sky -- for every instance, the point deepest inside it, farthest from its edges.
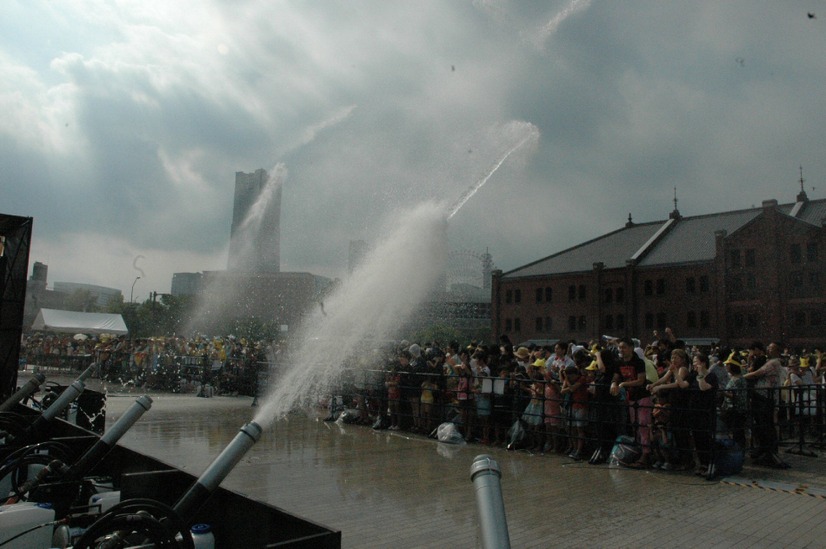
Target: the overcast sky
(124, 122)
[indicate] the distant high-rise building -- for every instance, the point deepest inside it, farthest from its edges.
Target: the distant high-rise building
(186, 284)
(255, 234)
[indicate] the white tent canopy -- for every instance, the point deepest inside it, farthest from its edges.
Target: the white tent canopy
(52, 320)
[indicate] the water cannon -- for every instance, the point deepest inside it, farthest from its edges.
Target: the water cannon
(486, 475)
(106, 442)
(189, 504)
(59, 405)
(146, 522)
(24, 392)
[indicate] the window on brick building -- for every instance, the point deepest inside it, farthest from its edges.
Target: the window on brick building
(795, 255)
(691, 319)
(800, 318)
(538, 325)
(704, 319)
(508, 325)
(583, 324)
(571, 323)
(549, 324)
(571, 293)
(750, 259)
(751, 281)
(508, 296)
(814, 279)
(608, 295)
(815, 318)
(796, 279)
(539, 294)
(517, 325)
(609, 322)
(734, 259)
(661, 322)
(517, 296)
(620, 322)
(690, 285)
(648, 287)
(549, 295)
(649, 320)
(811, 252)
(619, 295)
(738, 320)
(660, 286)
(582, 292)
(703, 283)
(753, 320)
(735, 284)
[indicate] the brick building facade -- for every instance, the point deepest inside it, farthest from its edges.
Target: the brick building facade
(733, 276)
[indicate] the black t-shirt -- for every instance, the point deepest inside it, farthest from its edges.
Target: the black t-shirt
(630, 371)
(702, 400)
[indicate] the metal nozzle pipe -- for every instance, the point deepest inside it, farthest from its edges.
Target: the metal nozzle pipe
(105, 443)
(486, 475)
(23, 393)
(66, 397)
(196, 496)
(84, 375)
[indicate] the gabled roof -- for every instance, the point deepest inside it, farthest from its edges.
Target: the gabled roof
(612, 249)
(813, 212)
(690, 239)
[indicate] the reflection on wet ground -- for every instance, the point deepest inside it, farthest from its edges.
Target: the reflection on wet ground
(389, 489)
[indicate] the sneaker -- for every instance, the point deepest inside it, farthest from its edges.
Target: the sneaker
(657, 465)
(575, 456)
(667, 466)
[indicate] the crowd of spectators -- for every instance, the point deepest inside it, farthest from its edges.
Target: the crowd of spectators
(576, 399)
(229, 365)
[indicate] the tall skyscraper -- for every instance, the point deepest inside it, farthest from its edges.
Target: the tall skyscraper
(255, 235)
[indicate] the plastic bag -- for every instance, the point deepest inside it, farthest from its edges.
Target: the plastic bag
(516, 435)
(626, 451)
(447, 432)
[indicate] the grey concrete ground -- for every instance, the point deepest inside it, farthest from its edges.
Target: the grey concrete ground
(389, 489)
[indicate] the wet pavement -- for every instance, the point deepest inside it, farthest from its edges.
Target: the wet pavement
(391, 489)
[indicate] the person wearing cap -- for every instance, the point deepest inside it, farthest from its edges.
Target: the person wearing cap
(532, 414)
(803, 397)
(733, 410)
(523, 358)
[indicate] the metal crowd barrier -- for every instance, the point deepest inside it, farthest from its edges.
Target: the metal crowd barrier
(798, 414)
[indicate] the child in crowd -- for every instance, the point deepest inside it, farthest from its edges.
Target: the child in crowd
(735, 400)
(394, 393)
(427, 398)
(662, 439)
(482, 387)
(553, 412)
(532, 415)
(576, 386)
